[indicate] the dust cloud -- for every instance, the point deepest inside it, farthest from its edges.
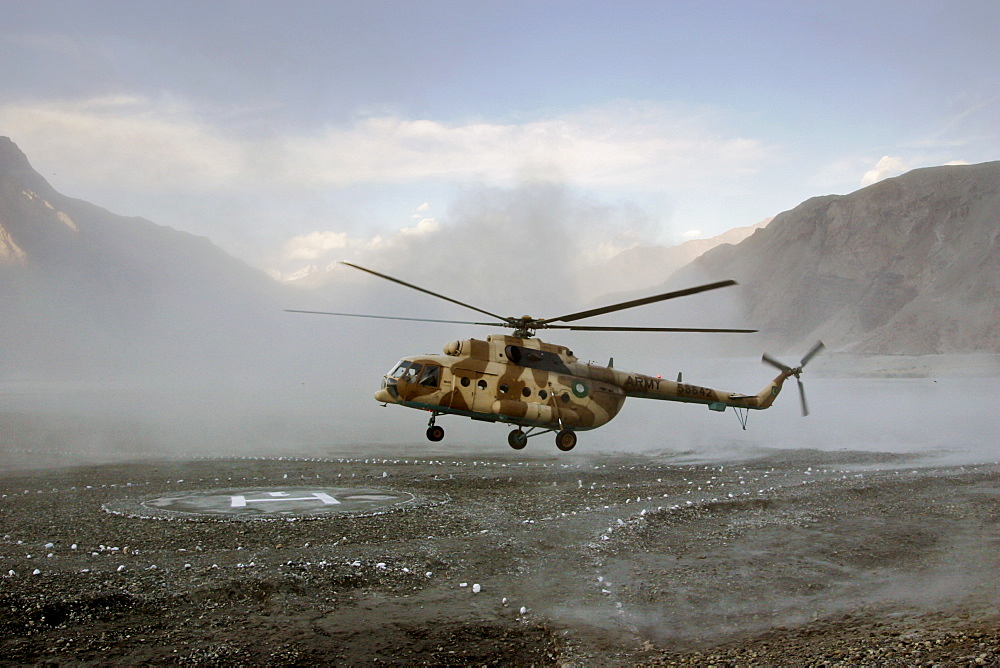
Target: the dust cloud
(321, 403)
(200, 369)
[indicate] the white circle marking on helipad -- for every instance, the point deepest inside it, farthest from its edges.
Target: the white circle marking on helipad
(281, 501)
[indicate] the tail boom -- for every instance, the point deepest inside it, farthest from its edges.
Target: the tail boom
(646, 387)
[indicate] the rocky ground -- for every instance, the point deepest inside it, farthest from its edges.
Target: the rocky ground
(790, 557)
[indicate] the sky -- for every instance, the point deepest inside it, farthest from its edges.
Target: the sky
(296, 134)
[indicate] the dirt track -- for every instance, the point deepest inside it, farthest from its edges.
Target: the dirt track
(793, 557)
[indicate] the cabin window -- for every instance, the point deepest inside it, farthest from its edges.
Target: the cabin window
(542, 394)
(466, 381)
(400, 369)
(526, 391)
(431, 377)
(481, 384)
(503, 389)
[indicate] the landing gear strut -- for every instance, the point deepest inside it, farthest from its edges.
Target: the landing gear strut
(565, 439)
(434, 433)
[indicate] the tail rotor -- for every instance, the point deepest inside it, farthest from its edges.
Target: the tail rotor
(796, 371)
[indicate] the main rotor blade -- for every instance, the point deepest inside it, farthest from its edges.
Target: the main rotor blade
(392, 317)
(588, 328)
(637, 302)
(425, 291)
(802, 397)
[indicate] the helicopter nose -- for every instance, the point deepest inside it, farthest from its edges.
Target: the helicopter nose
(384, 397)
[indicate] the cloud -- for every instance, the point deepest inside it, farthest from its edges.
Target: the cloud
(886, 166)
(538, 247)
(315, 244)
(325, 248)
(165, 143)
(289, 196)
(128, 140)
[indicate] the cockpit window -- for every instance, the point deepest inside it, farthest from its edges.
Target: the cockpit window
(400, 369)
(411, 374)
(431, 375)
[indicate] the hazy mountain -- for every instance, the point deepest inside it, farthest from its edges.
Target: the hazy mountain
(652, 265)
(86, 291)
(910, 265)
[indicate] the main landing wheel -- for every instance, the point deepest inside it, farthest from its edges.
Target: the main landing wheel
(435, 433)
(517, 439)
(565, 440)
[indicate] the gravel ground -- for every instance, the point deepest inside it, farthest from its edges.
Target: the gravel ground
(792, 557)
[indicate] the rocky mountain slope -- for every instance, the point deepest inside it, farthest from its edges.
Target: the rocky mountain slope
(84, 290)
(910, 265)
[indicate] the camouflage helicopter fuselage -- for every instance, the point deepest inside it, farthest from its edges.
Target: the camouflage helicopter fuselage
(530, 383)
(526, 382)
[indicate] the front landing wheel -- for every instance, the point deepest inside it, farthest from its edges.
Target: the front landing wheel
(435, 433)
(565, 440)
(517, 439)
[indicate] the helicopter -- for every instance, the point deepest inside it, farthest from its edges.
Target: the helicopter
(542, 387)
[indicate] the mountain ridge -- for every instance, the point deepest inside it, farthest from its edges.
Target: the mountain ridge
(84, 288)
(909, 265)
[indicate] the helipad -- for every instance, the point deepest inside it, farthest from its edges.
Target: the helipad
(281, 501)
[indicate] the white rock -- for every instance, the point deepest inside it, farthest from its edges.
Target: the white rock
(476, 589)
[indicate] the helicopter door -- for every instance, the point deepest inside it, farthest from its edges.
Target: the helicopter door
(472, 391)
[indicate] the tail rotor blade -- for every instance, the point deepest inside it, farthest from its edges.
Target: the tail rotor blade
(812, 353)
(767, 359)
